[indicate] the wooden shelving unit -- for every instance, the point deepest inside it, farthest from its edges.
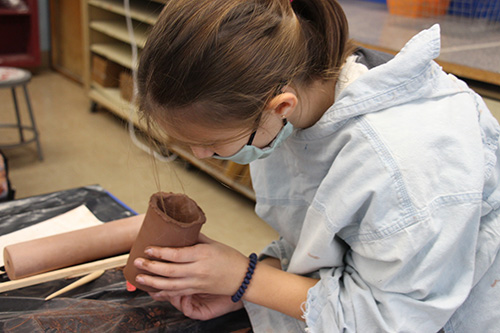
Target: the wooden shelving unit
(66, 44)
(105, 35)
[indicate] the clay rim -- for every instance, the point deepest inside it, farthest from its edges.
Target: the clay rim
(163, 197)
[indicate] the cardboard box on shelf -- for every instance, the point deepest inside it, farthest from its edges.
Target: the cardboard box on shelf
(105, 72)
(126, 86)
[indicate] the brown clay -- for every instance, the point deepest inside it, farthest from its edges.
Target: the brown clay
(71, 248)
(172, 220)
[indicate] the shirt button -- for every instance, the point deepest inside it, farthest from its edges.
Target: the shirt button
(284, 262)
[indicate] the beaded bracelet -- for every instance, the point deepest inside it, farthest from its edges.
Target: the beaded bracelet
(244, 285)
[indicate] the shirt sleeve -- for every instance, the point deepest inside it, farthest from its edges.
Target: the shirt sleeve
(412, 280)
(279, 249)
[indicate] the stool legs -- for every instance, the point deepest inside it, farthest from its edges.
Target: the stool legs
(21, 127)
(18, 115)
(33, 124)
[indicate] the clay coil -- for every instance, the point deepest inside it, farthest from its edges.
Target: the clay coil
(71, 248)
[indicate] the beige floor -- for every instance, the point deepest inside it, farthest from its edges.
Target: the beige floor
(83, 148)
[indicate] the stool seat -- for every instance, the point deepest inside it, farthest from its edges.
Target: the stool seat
(11, 77)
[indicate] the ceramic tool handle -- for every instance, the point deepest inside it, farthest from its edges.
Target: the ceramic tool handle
(172, 220)
(71, 248)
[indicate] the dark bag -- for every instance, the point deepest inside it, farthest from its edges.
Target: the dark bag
(6, 190)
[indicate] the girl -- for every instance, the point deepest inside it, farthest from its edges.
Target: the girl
(379, 173)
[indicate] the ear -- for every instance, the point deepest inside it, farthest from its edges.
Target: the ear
(283, 104)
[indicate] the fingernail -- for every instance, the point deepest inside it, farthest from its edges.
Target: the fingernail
(139, 262)
(139, 279)
(148, 251)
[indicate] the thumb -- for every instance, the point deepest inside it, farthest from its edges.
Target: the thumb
(204, 239)
(187, 306)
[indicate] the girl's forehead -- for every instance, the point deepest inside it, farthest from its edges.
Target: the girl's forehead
(198, 134)
(197, 124)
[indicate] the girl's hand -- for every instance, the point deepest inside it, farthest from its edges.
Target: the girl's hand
(200, 306)
(208, 267)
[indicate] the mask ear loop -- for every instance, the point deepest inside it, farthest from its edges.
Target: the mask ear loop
(279, 90)
(252, 136)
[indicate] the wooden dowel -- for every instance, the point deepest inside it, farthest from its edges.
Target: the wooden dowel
(78, 270)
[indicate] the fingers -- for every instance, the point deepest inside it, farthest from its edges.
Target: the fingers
(177, 255)
(161, 296)
(170, 287)
(177, 302)
(201, 268)
(181, 303)
(187, 306)
(162, 268)
(180, 254)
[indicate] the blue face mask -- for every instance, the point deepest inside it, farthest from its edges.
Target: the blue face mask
(250, 153)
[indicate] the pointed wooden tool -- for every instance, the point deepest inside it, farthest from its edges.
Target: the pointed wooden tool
(84, 280)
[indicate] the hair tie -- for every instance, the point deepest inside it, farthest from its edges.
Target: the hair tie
(248, 276)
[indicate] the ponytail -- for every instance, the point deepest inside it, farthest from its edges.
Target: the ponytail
(326, 28)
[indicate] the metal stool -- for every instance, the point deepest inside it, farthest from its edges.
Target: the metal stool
(11, 77)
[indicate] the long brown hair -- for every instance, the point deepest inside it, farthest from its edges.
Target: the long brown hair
(219, 62)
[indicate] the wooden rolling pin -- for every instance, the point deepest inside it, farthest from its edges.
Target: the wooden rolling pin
(71, 248)
(172, 220)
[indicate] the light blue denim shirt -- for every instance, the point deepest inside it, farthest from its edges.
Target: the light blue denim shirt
(391, 199)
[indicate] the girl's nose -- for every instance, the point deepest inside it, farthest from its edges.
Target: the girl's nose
(201, 152)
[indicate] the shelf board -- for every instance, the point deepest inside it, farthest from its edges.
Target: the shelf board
(111, 99)
(139, 10)
(13, 12)
(19, 59)
(118, 30)
(117, 52)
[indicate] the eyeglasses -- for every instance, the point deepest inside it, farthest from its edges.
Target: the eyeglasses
(252, 136)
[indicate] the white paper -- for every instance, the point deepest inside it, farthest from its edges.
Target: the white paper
(78, 218)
